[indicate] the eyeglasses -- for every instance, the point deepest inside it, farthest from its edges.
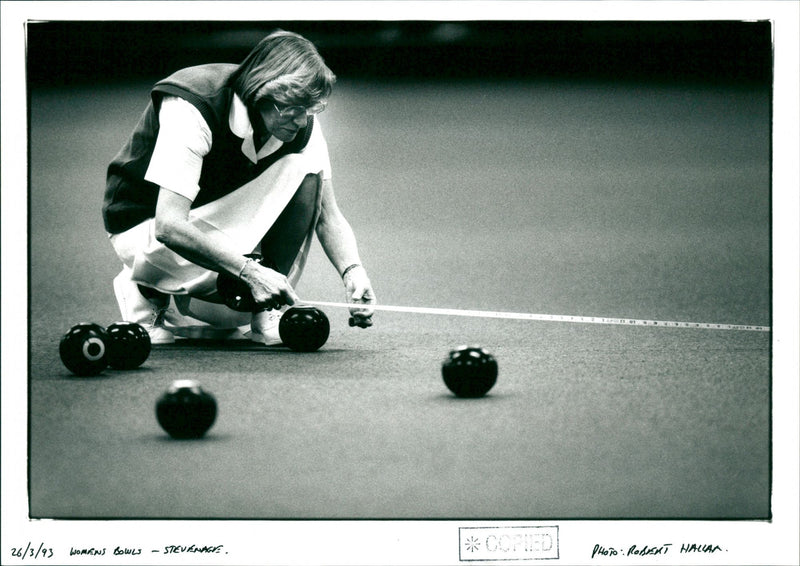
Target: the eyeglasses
(297, 111)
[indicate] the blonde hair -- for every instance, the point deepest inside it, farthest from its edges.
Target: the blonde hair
(285, 68)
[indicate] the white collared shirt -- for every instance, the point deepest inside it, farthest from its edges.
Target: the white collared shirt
(184, 139)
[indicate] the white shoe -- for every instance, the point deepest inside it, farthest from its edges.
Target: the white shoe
(206, 332)
(135, 307)
(158, 334)
(264, 328)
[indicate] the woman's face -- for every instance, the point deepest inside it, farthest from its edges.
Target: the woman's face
(283, 123)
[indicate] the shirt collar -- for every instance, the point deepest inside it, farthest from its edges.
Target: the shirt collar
(239, 123)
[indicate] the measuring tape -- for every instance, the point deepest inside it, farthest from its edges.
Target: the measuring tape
(551, 317)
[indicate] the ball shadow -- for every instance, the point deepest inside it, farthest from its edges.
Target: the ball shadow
(167, 439)
(452, 398)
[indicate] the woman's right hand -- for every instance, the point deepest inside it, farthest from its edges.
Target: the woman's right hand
(270, 288)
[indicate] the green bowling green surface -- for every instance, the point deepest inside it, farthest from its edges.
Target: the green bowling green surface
(622, 200)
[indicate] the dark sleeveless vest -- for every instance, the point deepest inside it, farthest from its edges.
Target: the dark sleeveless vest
(129, 199)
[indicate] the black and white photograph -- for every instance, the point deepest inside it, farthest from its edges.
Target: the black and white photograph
(442, 283)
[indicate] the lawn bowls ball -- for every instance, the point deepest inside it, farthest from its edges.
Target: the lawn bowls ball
(185, 410)
(128, 345)
(469, 371)
(83, 349)
(304, 328)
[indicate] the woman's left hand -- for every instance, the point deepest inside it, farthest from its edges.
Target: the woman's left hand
(359, 291)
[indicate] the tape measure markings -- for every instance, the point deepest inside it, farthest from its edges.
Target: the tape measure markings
(551, 317)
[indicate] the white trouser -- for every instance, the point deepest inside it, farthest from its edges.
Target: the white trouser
(239, 220)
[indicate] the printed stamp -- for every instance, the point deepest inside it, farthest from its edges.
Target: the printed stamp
(507, 543)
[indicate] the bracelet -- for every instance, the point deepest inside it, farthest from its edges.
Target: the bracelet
(248, 260)
(348, 268)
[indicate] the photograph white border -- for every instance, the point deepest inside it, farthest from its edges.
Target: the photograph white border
(398, 542)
